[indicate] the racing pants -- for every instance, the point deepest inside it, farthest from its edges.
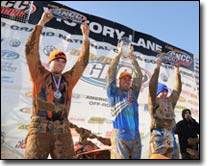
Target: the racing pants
(49, 137)
(163, 142)
(125, 144)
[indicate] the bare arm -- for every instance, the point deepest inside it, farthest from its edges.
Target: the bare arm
(111, 75)
(137, 74)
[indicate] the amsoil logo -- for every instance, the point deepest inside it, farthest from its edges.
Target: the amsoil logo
(95, 74)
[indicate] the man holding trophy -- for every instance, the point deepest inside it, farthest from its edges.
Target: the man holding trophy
(123, 95)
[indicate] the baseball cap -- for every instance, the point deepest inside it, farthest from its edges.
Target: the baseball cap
(124, 74)
(56, 54)
(161, 87)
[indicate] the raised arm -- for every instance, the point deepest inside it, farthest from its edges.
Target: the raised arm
(75, 73)
(32, 47)
(153, 87)
(111, 75)
(137, 74)
(177, 86)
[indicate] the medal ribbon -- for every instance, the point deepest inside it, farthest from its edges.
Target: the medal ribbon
(59, 81)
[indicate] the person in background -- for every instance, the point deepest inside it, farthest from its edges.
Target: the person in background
(49, 131)
(161, 109)
(125, 138)
(188, 131)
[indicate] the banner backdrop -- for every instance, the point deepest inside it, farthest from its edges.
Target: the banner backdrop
(89, 108)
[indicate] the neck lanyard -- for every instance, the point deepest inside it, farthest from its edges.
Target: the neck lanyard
(57, 93)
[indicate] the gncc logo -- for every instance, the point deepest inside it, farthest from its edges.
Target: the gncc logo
(95, 74)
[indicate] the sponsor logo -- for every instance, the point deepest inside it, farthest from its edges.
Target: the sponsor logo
(23, 126)
(181, 107)
(181, 99)
(48, 49)
(9, 55)
(193, 102)
(172, 57)
(95, 74)
(17, 10)
(68, 14)
(8, 67)
(7, 79)
(20, 144)
(185, 92)
(194, 96)
(76, 119)
(98, 120)
(14, 43)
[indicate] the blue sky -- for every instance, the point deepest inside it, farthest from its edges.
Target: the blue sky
(175, 22)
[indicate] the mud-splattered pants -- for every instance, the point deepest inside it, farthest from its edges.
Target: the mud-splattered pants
(125, 144)
(47, 137)
(163, 142)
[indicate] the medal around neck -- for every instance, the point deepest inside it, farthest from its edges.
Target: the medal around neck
(57, 94)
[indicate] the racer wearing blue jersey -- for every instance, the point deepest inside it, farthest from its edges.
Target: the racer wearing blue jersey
(125, 138)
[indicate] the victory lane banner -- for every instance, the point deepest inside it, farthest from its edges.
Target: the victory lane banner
(107, 31)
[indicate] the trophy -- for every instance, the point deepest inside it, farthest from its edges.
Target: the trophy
(125, 44)
(125, 62)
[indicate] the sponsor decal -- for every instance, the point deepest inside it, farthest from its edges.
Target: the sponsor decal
(8, 67)
(48, 49)
(96, 103)
(23, 126)
(188, 75)
(76, 119)
(14, 42)
(181, 107)
(181, 99)
(194, 96)
(186, 92)
(187, 84)
(7, 79)
(171, 57)
(9, 55)
(20, 144)
(95, 74)
(98, 120)
(193, 102)
(17, 10)
(67, 14)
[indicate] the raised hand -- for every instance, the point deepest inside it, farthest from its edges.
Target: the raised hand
(46, 17)
(158, 61)
(85, 30)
